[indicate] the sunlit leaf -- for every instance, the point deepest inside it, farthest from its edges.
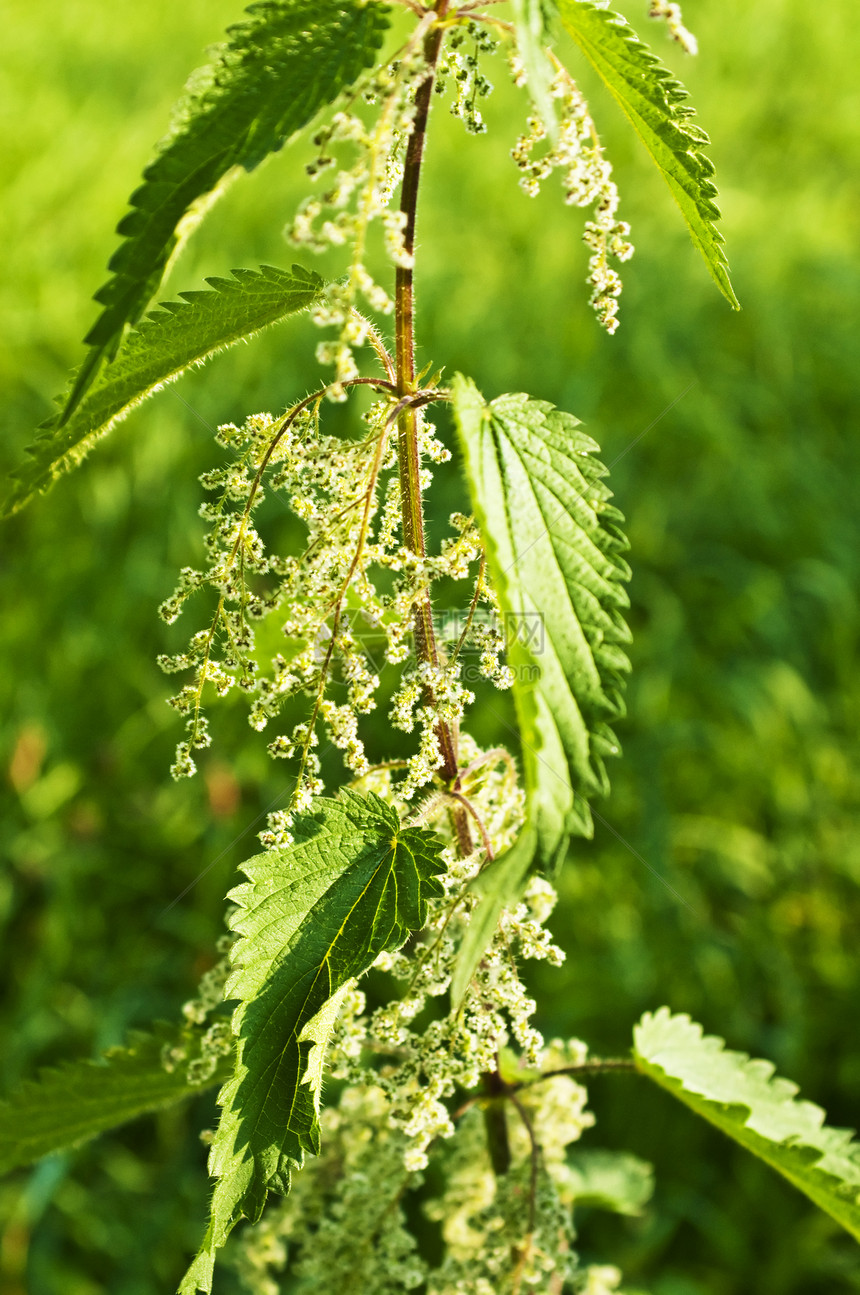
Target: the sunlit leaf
(553, 546)
(311, 918)
(755, 1107)
(654, 101)
(288, 59)
(165, 343)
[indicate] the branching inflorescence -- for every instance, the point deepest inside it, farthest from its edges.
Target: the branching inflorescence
(378, 943)
(429, 862)
(352, 596)
(347, 492)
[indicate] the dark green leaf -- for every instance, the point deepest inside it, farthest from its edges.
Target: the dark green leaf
(164, 344)
(279, 67)
(312, 918)
(78, 1100)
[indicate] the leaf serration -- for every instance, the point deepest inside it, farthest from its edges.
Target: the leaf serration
(654, 101)
(755, 1107)
(310, 920)
(75, 1101)
(166, 342)
(277, 69)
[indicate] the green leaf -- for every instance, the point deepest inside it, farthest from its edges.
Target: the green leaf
(610, 1180)
(531, 22)
(654, 101)
(498, 885)
(311, 918)
(80, 1099)
(757, 1109)
(286, 61)
(553, 548)
(165, 343)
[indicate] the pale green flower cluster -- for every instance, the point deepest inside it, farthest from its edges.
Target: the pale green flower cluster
(671, 14)
(367, 162)
(368, 166)
(346, 599)
(210, 989)
(587, 181)
(459, 66)
(200, 1054)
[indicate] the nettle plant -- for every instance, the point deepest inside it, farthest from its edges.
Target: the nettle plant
(436, 868)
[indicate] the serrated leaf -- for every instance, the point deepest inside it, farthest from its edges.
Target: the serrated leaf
(610, 1180)
(531, 23)
(754, 1107)
(74, 1102)
(311, 918)
(654, 101)
(278, 68)
(165, 343)
(553, 548)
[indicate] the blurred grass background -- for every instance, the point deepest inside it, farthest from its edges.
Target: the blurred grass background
(723, 879)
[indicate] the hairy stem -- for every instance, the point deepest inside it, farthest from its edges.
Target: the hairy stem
(408, 455)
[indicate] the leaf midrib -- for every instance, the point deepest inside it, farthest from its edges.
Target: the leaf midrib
(301, 1015)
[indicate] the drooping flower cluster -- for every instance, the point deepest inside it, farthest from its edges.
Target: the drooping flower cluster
(343, 619)
(199, 1051)
(368, 166)
(456, 1050)
(587, 181)
(461, 67)
(671, 14)
(327, 483)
